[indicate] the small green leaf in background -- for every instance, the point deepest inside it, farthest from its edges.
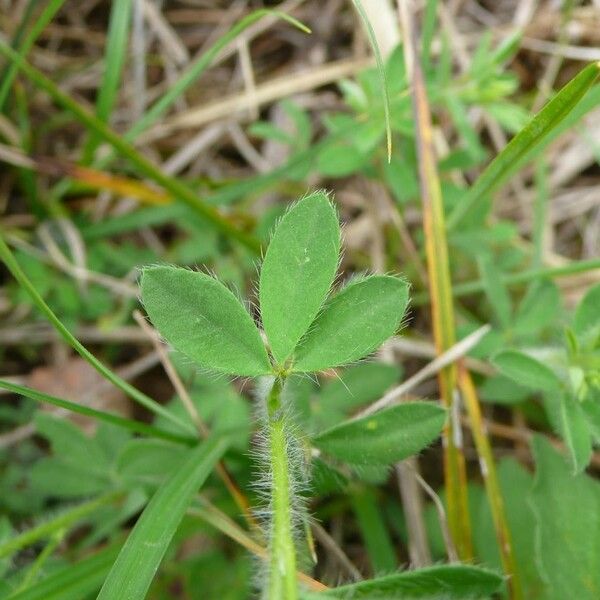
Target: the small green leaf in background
(451, 582)
(526, 371)
(149, 461)
(200, 317)
(515, 484)
(298, 270)
(568, 526)
(385, 437)
(356, 386)
(140, 557)
(587, 315)
(495, 290)
(374, 530)
(353, 323)
(574, 430)
(538, 309)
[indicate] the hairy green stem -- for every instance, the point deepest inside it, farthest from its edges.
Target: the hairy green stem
(282, 575)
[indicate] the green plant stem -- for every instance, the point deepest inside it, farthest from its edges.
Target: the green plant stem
(63, 521)
(13, 266)
(282, 575)
(442, 309)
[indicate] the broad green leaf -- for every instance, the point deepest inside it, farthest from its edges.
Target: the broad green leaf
(79, 580)
(297, 272)
(385, 437)
(140, 557)
(450, 582)
(200, 317)
(526, 371)
(353, 324)
(566, 509)
(587, 315)
(526, 141)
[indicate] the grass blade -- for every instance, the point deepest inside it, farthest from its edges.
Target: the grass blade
(128, 424)
(146, 167)
(74, 581)
(116, 48)
(520, 148)
(64, 520)
(139, 559)
(381, 70)
(13, 266)
(47, 15)
(152, 115)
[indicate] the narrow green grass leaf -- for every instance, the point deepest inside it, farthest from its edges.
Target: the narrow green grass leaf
(64, 520)
(176, 187)
(385, 437)
(129, 424)
(374, 531)
(297, 272)
(114, 59)
(381, 71)
(567, 526)
(140, 557)
(526, 141)
(79, 580)
(450, 582)
(45, 17)
(353, 324)
(526, 371)
(13, 266)
(191, 75)
(202, 319)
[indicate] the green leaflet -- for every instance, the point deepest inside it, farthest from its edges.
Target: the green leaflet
(495, 290)
(526, 141)
(568, 526)
(587, 315)
(139, 559)
(297, 272)
(575, 431)
(353, 323)
(385, 437)
(200, 317)
(450, 582)
(526, 371)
